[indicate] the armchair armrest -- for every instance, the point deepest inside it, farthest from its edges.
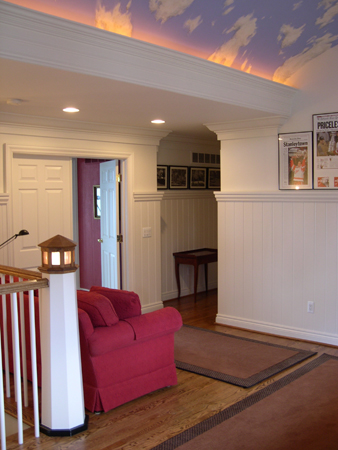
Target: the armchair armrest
(85, 324)
(163, 321)
(126, 303)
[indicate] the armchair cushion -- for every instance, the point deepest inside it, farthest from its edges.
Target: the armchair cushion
(126, 303)
(98, 307)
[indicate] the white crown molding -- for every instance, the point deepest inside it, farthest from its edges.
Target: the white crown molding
(34, 37)
(245, 129)
(290, 196)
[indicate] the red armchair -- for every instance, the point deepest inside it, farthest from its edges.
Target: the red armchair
(124, 354)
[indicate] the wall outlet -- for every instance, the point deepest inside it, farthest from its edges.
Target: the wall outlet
(311, 307)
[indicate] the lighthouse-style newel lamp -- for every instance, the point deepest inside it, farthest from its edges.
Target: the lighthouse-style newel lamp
(62, 402)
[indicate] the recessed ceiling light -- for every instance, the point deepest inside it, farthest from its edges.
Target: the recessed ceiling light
(158, 121)
(71, 110)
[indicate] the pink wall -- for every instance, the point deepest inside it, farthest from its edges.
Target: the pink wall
(89, 228)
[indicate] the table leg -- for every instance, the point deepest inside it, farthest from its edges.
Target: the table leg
(206, 276)
(177, 272)
(195, 279)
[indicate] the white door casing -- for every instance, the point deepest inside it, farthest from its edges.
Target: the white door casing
(42, 204)
(110, 266)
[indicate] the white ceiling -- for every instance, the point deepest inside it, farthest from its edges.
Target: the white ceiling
(46, 91)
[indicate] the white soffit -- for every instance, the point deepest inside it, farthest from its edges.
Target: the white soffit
(37, 38)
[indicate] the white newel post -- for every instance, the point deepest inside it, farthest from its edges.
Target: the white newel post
(62, 409)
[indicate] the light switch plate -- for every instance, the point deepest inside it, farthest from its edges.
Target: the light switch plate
(147, 232)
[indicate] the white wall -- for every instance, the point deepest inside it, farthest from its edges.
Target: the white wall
(138, 151)
(278, 249)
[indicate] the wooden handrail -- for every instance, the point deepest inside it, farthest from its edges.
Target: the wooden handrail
(35, 280)
(20, 273)
(22, 286)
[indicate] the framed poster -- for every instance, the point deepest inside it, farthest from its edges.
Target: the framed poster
(214, 178)
(178, 177)
(198, 177)
(325, 150)
(162, 177)
(295, 160)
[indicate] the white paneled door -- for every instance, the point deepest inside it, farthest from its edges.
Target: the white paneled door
(109, 224)
(42, 204)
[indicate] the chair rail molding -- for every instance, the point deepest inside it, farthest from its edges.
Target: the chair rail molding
(148, 196)
(294, 196)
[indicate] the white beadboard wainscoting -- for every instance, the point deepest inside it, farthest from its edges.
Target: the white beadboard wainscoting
(188, 221)
(277, 252)
(148, 282)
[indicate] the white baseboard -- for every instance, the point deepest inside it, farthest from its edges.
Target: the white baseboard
(152, 307)
(279, 330)
(169, 295)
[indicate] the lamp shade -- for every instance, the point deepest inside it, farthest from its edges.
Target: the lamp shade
(58, 255)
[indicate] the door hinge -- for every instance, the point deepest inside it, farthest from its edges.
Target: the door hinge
(119, 238)
(119, 178)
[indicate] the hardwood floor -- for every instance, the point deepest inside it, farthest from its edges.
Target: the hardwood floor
(150, 420)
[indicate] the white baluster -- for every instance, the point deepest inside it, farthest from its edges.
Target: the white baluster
(17, 372)
(34, 363)
(23, 348)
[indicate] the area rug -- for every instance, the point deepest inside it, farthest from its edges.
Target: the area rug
(299, 411)
(239, 361)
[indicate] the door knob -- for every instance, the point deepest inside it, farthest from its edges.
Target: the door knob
(100, 240)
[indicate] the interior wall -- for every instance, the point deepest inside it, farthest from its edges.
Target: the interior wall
(138, 153)
(188, 219)
(277, 249)
(88, 176)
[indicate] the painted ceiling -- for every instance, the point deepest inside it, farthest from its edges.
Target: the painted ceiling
(269, 38)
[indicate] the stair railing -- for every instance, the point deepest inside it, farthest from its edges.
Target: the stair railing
(15, 282)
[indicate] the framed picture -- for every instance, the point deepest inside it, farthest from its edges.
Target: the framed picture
(162, 177)
(198, 177)
(97, 202)
(214, 178)
(325, 151)
(295, 160)
(178, 177)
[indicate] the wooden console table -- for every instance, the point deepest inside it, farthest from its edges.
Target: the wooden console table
(194, 258)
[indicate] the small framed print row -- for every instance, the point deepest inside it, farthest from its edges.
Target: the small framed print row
(309, 160)
(184, 177)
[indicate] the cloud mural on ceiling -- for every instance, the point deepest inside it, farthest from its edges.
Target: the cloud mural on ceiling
(268, 38)
(115, 20)
(165, 9)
